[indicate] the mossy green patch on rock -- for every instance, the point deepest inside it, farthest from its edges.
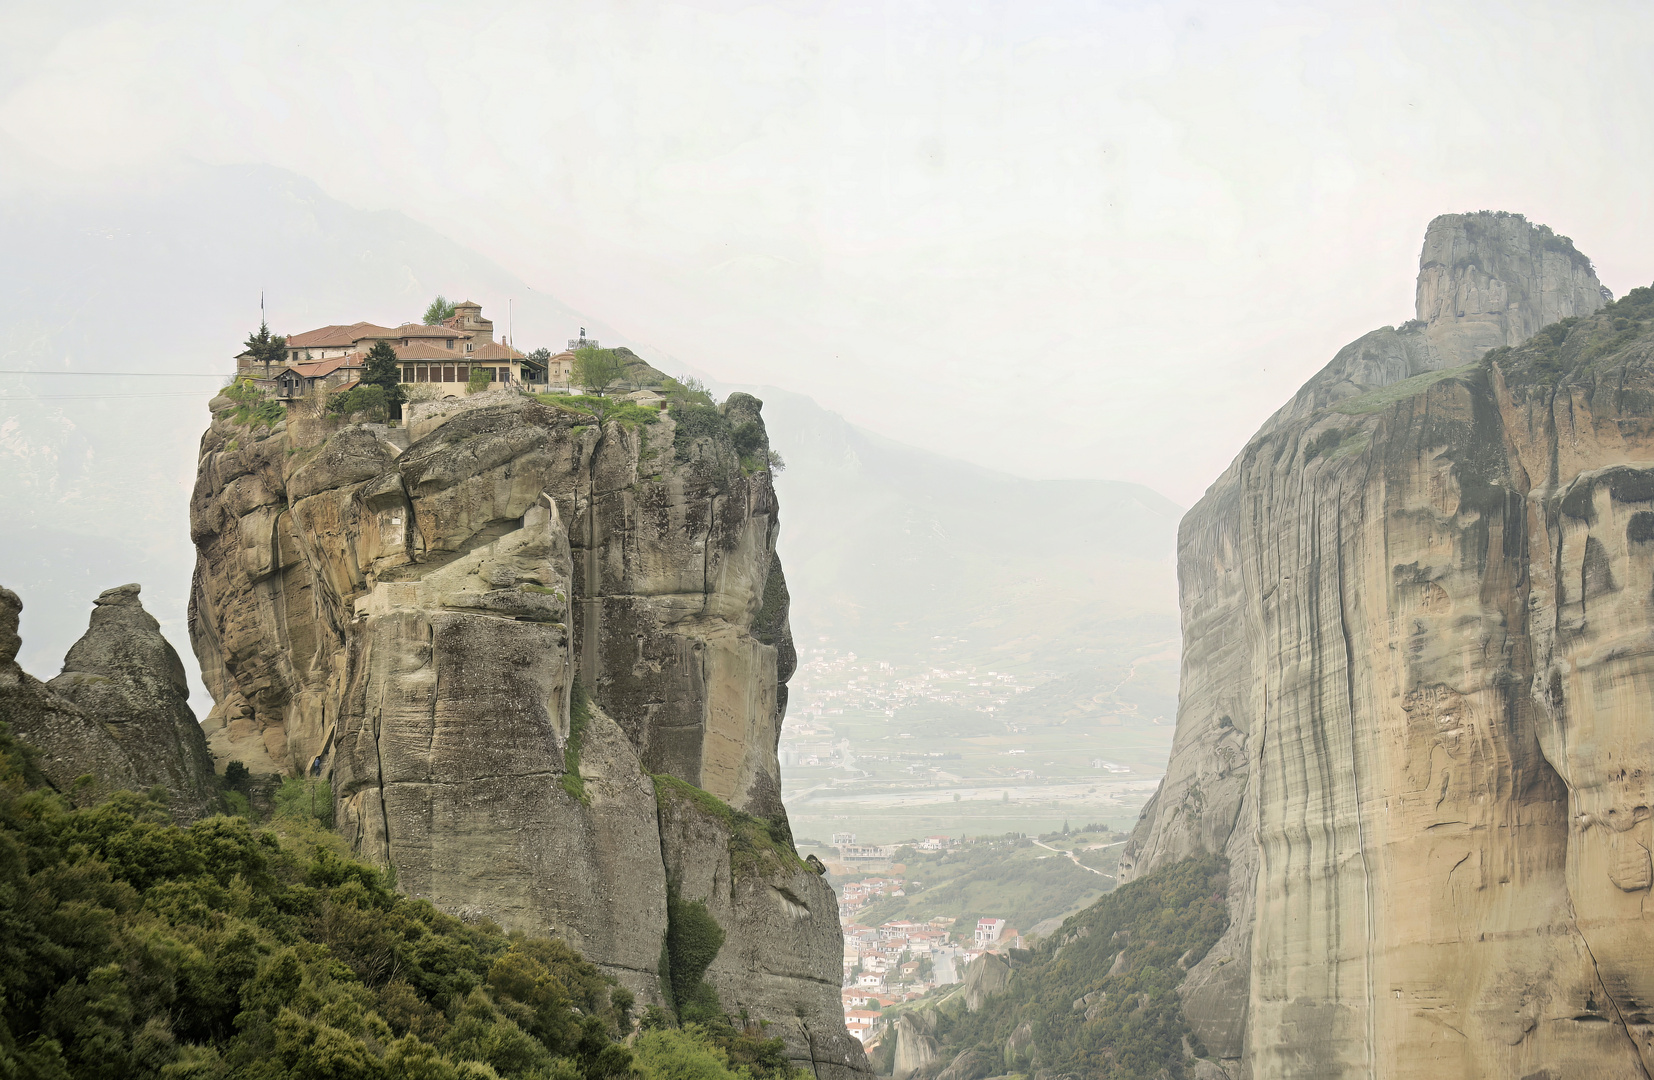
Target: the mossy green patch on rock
(754, 843)
(770, 622)
(697, 422)
(1334, 444)
(1351, 446)
(1323, 443)
(580, 714)
(693, 938)
(1385, 396)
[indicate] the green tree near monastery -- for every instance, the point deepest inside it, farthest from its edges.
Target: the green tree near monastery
(441, 308)
(378, 395)
(266, 348)
(383, 370)
(598, 369)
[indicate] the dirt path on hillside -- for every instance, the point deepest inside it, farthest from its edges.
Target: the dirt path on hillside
(1075, 859)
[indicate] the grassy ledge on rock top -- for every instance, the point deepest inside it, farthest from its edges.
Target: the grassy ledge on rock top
(753, 841)
(131, 947)
(1385, 396)
(252, 408)
(628, 415)
(1082, 1015)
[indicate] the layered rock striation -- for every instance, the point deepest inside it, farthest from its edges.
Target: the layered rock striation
(118, 715)
(541, 657)
(1417, 675)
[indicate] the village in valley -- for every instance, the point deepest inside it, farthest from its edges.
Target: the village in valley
(945, 743)
(901, 960)
(897, 952)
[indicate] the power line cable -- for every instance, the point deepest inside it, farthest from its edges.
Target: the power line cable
(100, 397)
(106, 374)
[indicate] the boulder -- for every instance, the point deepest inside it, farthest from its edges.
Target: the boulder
(126, 675)
(916, 1046)
(71, 743)
(970, 1065)
(1019, 1046)
(119, 713)
(986, 976)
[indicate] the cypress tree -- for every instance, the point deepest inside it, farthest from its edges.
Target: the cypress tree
(266, 348)
(383, 370)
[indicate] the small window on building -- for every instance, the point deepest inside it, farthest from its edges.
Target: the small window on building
(448, 373)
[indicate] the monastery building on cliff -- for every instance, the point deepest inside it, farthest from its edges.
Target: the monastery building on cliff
(446, 355)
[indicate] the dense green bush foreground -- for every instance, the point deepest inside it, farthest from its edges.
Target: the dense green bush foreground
(133, 948)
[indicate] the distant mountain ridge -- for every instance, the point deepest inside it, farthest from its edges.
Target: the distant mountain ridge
(896, 546)
(170, 281)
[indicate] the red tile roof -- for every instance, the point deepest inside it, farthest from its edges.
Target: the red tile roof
(319, 338)
(328, 366)
(420, 350)
(420, 330)
(495, 351)
(337, 336)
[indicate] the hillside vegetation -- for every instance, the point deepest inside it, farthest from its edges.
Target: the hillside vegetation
(1069, 1009)
(132, 948)
(1576, 347)
(1010, 878)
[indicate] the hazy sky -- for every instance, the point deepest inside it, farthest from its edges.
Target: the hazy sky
(1098, 239)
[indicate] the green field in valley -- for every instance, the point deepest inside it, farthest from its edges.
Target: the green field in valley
(1025, 880)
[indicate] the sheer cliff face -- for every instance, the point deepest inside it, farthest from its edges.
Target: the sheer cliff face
(406, 611)
(1416, 683)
